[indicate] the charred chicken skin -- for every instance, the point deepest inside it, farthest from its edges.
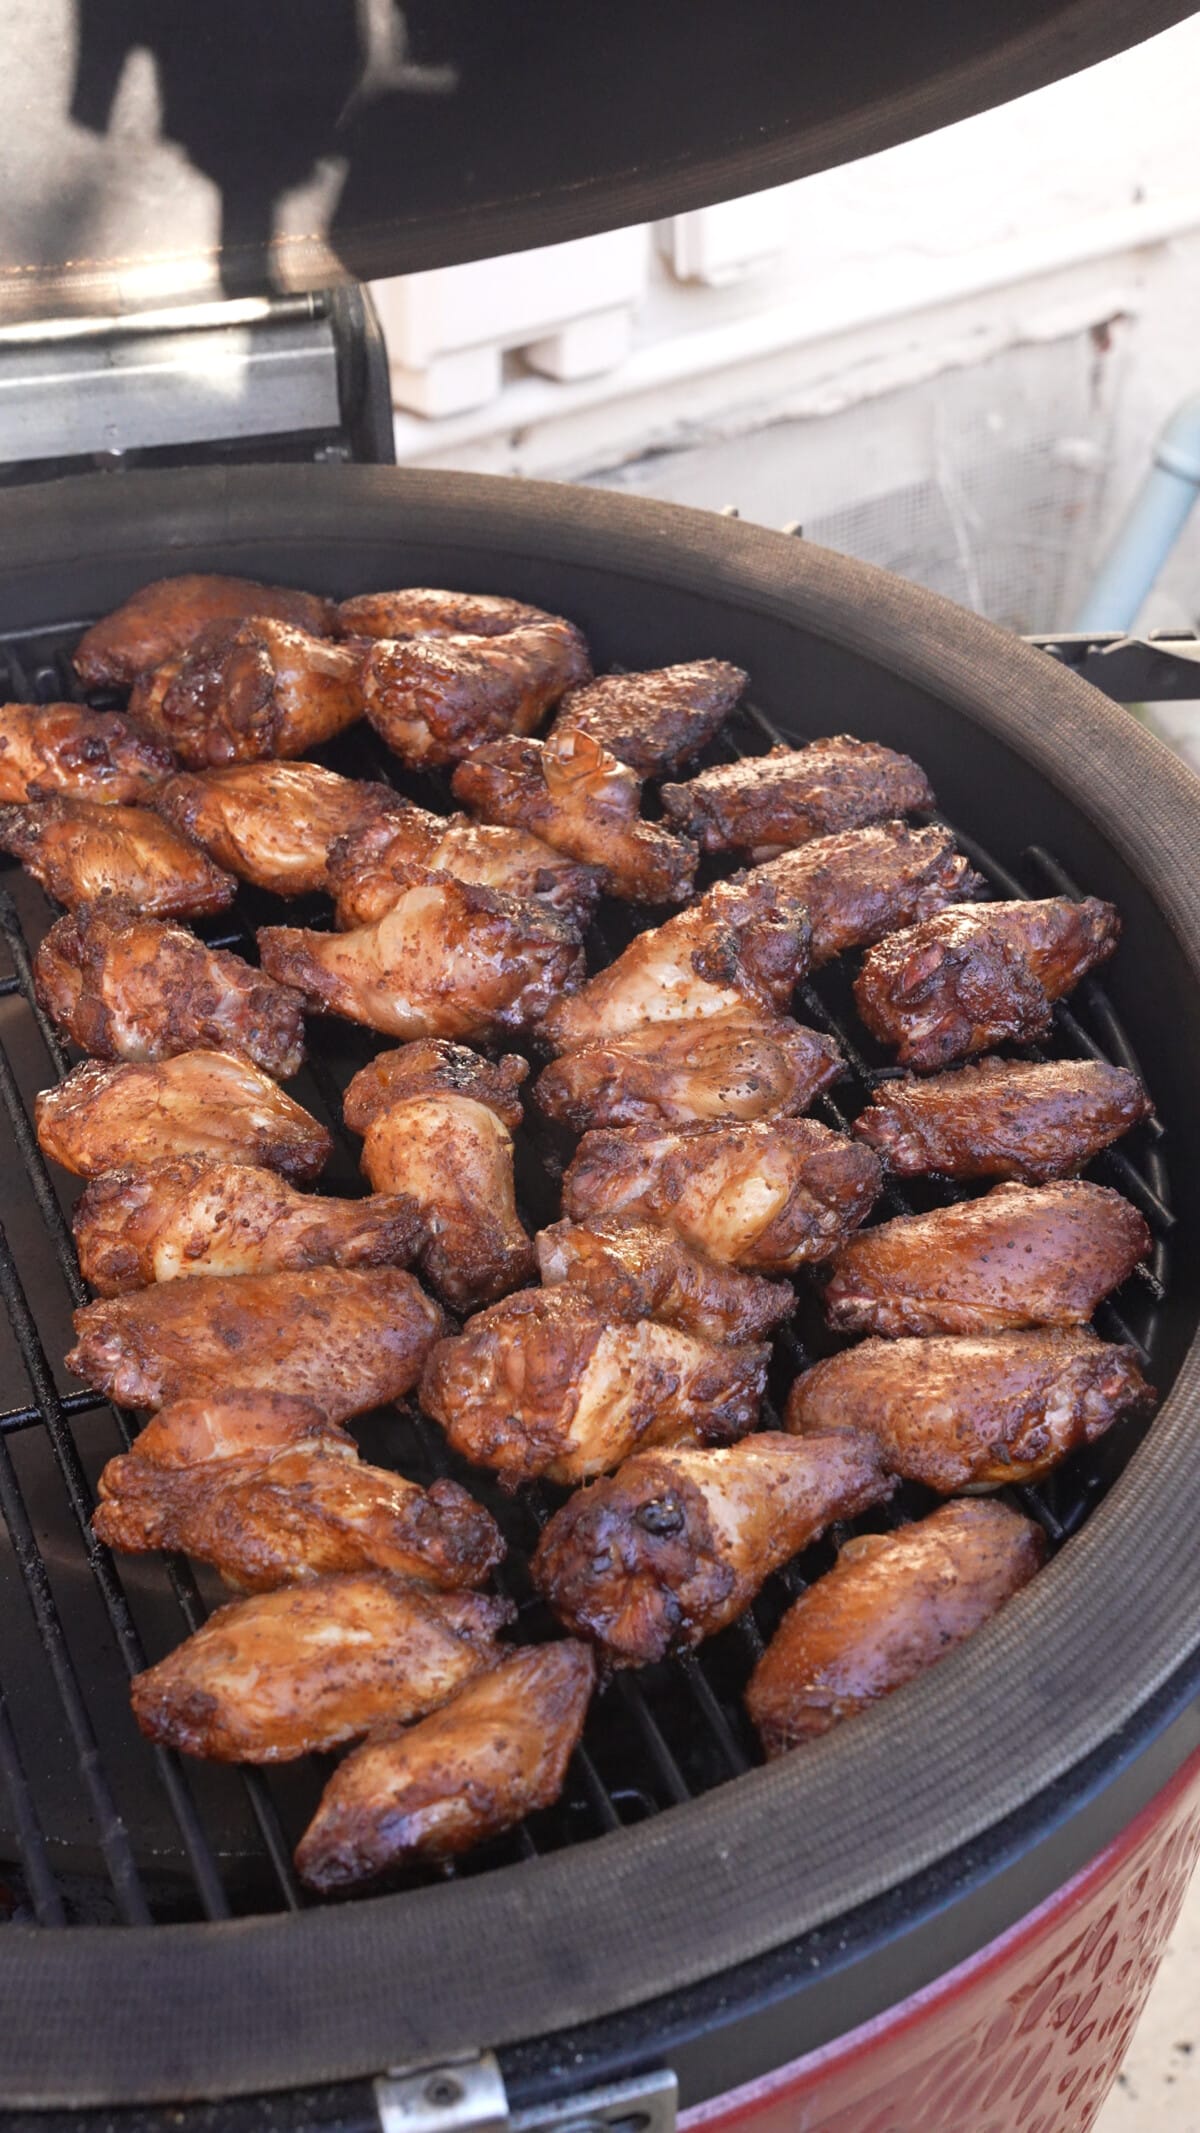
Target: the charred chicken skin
(423, 611)
(94, 755)
(1021, 1256)
(980, 975)
(767, 803)
(674, 1547)
(82, 850)
(738, 1066)
(545, 1383)
(495, 1753)
(657, 720)
(301, 1669)
(434, 699)
(370, 868)
(245, 690)
(1005, 1118)
(127, 987)
(863, 883)
(638, 1270)
(894, 1604)
(201, 1103)
(162, 619)
(273, 824)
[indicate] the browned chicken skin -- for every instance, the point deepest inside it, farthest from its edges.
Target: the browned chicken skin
(163, 618)
(347, 1340)
(437, 1124)
(1020, 1256)
(81, 850)
(579, 798)
(674, 1546)
(638, 1270)
(768, 1197)
(494, 1754)
(545, 1383)
(299, 1670)
(239, 1428)
(862, 883)
(767, 803)
(95, 755)
(202, 1103)
(433, 699)
(127, 987)
(895, 1604)
(975, 1411)
(370, 869)
(1005, 1118)
(273, 824)
(245, 690)
(738, 1066)
(980, 975)
(657, 720)
(423, 611)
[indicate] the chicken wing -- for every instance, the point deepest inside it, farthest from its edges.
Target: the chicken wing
(743, 1065)
(347, 1340)
(545, 1383)
(674, 1547)
(273, 824)
(974, 1412)
(768, 1197)
(95, 755)
(894, 1604)
(657, 720)
(127, 987)
(637, 1270)
(1021, 1256)
(244, 690)
(579, 798)
(1005, 1118)
(437, 1125)
(81, 850)
(863, 883)
(163, 618)
(743, 945)
(202, 1103)
(767, 803)
(448, 960)
(980, 975)
(422, 611)
(433, 699)
(494, 1754)
(370, 869)
(299, 1670)
(233, 1429)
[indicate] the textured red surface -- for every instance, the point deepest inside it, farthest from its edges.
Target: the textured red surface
(1025, 2037)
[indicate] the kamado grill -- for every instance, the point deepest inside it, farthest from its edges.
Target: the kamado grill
(947, 1913)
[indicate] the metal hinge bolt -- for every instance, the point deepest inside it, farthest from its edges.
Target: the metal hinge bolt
(469, 2096)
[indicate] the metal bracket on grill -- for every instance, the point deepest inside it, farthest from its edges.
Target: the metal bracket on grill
(1161, 668)
(469, 2096)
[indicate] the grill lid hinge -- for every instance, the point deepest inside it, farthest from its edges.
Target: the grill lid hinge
(469, 2096)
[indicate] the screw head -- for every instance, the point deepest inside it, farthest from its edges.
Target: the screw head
(442, 2091)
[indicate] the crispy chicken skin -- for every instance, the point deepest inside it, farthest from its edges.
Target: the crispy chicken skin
(95, 755)
(301, 1669)
(546, 1383)
(347, 1340)
(245, 690)
(370, 868)
(434, 699)
(188, 1215)
(675, 1545)
(448, 960)
(423, 611)
(974, 1411)
(657, 720)
(979, 975)
(768, 1197)
(570, 791)
(163, 618)
(1020, 1256)
(1005, 1118)
(894, 1604)
(494, 1754)
(863, 883)
(767, 803)
(742, 945)
(241, 1428)
(437, 1125)
(742, 1065)
(273, 824)
(637, 1270)
(127, 987)
(201, 1103)
(81, 850)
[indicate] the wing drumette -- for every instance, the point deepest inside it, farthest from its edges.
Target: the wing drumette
(273, 824)
(163, 618)
(743, 1065)
(433, 699)
(1005, 1118)
(638, 1270)
(81, 850)
(767, 803)
(654, 721)
(370, 869)
(424, 611)
(863, 883)
(202, 1103)
(95, 755)
(244, 690)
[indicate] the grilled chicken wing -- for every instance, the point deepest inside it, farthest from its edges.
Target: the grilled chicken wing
(494, 1754)
(346, 1340)
(244, 690)
(301, 1669)
(741, 946)
(1005, 1118)
(448, 960)
(163, 618)
(980, 975)
(96, 755)
(863, 883)
(437, 1124)
(767, 803)
(1021, 1256)
(545, 1383)
(768, 1197)
(233, 1428)
(81, 850)
(273, 823)
(579, 798)
(657, 720)
(895, 1604)
(637, 1270)
(974, 1411)
(202, 1103)
(127, 987)
(674, 1547)
(433, 699)
(743, 1065)
(370, 869)
(422, 611)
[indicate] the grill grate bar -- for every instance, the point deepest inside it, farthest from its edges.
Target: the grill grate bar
(39, 1875)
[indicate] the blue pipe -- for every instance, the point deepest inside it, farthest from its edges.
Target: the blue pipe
(1155, 520)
